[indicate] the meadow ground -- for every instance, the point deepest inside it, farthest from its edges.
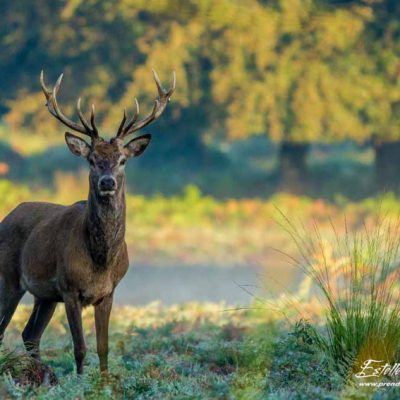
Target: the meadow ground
(211, 351)
(193, 351)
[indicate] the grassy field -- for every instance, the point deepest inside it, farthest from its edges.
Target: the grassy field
(286, 346)
(305, 345)
(192, 351)
(195, 351)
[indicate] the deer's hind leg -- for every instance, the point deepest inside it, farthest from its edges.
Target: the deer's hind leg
(10, 295)
(41, 315)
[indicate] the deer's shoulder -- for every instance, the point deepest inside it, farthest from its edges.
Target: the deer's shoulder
(27, 215)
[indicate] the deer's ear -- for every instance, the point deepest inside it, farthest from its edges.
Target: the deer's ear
(77, 145)
(137, 146)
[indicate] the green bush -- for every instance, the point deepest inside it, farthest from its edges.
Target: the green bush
(357, 278)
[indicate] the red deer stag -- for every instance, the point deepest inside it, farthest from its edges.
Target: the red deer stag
(74, 254)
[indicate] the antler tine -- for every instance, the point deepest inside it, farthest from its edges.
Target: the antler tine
(172, 89)
(57, 85)
(52, 106)
(122, 128)
(145, 121)
(158, 83)
(121, 125)
(81, 116)
(134, 118)
(158, 108)
(92, 127)
(42, 84)
(47, 94)
(92, 122)
(161, 91)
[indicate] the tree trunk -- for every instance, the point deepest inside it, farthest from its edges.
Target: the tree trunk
(293, 175)
(387, 166)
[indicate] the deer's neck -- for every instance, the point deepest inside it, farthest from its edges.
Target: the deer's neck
(105, 227)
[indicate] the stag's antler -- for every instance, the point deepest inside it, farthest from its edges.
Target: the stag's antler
(159, 107)
(91, 129)
(51, 97)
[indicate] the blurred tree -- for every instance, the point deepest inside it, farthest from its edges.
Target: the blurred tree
(301, 71)
(297, 76)
(106, 50)
(382, 110)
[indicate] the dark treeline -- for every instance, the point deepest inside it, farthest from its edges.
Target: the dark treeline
(298, 71)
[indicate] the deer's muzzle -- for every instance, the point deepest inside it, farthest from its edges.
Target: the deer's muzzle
(107, 185)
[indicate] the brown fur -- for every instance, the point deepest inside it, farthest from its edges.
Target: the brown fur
(73, 254)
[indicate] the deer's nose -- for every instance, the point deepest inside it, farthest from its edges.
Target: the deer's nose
(107, 183)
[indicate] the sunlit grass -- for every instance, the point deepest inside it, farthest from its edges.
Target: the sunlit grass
(188, 351)
(357, 278)
(202, 351)
(197, 351)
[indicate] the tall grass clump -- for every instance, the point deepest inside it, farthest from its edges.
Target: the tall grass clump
(356, 276)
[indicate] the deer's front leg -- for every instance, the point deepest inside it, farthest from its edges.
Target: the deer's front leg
(73, 307)
(102, 317)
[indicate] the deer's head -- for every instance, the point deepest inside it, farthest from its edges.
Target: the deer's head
(107, 159)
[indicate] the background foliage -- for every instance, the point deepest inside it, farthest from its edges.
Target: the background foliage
(296, 71)
(299, 70)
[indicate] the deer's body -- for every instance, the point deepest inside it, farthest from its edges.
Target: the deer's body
(48, 273)
(73, 254)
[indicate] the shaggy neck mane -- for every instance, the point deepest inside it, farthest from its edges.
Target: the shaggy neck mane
(105, 226)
